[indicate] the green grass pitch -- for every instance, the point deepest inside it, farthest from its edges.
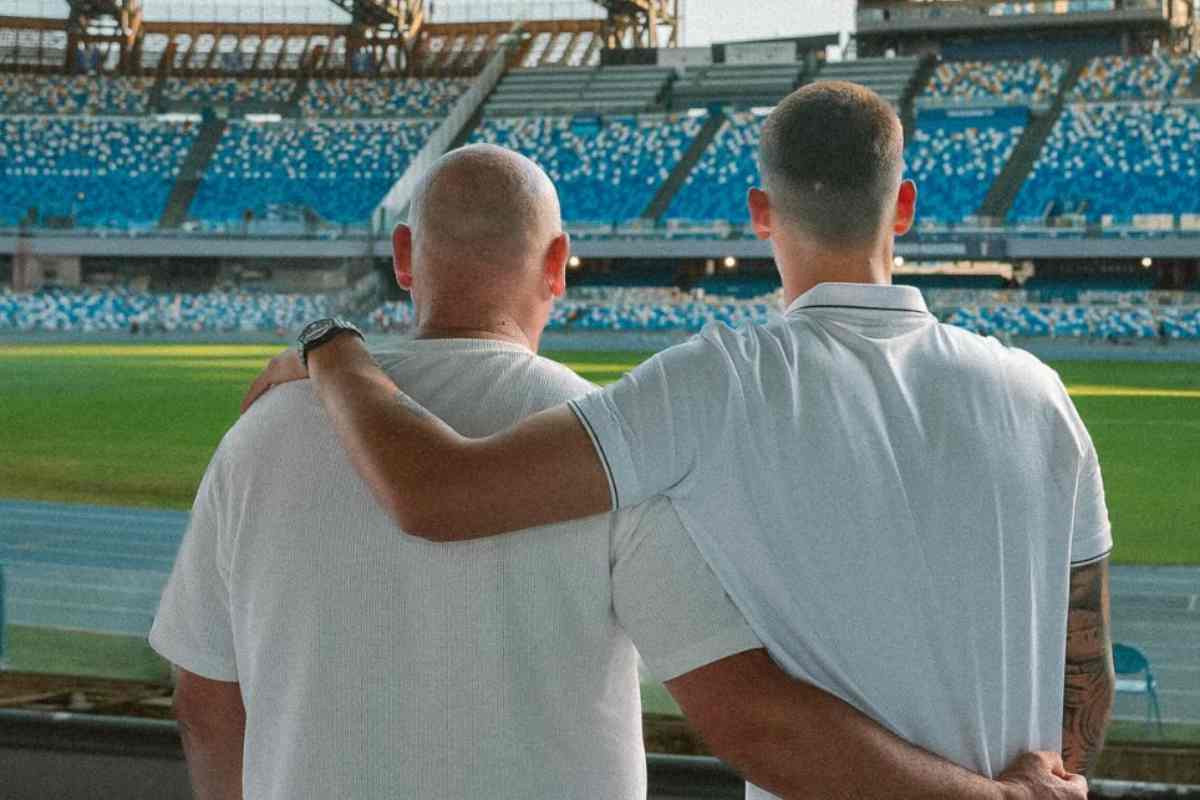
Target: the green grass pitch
(135, 425)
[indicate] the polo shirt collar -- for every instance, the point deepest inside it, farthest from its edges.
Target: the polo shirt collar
(862, 296)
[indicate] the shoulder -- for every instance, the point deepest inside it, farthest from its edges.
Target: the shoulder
(272, 422)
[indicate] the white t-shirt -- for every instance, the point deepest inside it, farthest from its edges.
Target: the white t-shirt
(373, 664)
(894, 504)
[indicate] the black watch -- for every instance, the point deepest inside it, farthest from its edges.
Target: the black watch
(318, 333)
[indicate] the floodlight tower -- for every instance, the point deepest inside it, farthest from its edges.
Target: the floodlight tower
(104, 24)
(379, 25)
(641, 23)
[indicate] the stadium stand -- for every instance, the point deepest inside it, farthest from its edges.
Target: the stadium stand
(364, 97)
(98, 310)
(205, 92)
(716, 187)
(1032, 82)
(1149, 77)
(1079, 321)
(955, 155)
(91, 95)
(89, 172)
(737, 85)
(1114, 162)
(579, 90)
(339, 171)
(890, 78)
(607, 169)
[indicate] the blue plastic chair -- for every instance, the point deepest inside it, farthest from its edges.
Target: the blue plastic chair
(1130, 661)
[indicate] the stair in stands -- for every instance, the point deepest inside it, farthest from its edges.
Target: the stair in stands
(190, 174)
(1003, 192)
(293, 101)
(908, 101)
(674, 182)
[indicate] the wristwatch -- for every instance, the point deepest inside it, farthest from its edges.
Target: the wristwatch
(318, 333)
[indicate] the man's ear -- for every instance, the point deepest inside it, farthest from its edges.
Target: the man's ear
(906, 208)
(760, 212)
(556, 264)
(402, 256)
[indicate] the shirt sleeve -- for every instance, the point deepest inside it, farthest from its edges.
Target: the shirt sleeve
(667, 599)
(193, 628)
(1092, 533)
(648, 427)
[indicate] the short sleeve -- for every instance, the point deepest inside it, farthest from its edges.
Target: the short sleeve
(648, 427)
(667, 599)
(193, 628)
(1092, 534)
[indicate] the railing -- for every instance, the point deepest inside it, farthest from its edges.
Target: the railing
(941, 11)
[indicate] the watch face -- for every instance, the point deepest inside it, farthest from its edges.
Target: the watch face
(316, 330)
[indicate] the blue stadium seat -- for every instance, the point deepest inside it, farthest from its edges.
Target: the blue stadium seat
(607, 170)
(338, 170)
(1151, 77)
(1032, 81)
(83, 94)
(1134, 676)
(367, 97)
(716, 187)
(955, 156)
(227, 91)
(95, 172)
(1116, 161)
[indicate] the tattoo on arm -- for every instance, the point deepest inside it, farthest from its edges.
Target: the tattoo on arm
(1089, 677)
(411, 406)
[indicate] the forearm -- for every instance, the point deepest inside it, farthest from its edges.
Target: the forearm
(214, 758)
(835, 752)
(443, 486)
(1089, 678)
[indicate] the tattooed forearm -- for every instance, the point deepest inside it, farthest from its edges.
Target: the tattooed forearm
(1089, 678)
(411, 406)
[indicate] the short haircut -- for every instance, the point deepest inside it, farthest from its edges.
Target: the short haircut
(831, 155)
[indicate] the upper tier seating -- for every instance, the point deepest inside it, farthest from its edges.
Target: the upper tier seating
(1116, 160)
(96, 172)
(95, 310)
(381, 97)
(890, 78)
(201, 92)
(578, 90)
(716, 188)
(607, 170)
(338, 170)
(85, 94)
(1033, 81)
(1136, 77)
(739, 85)
(956, 155)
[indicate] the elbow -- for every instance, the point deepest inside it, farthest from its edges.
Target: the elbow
(418, 514)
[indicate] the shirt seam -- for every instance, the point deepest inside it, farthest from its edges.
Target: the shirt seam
(614, 495)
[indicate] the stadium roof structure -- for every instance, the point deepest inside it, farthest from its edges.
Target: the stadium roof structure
(360, 37)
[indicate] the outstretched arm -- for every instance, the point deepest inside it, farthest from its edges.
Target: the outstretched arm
(795, 740)
(1089, 679)
(443, 486)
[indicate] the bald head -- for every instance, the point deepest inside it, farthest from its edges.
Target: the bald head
(484, 205)
(831, 155)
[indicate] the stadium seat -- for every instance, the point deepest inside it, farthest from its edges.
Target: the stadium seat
(90, 95)
(203, 92)
(339, 171)
(955, 156)
(607, 169)
(363, 97)
(1111, 162)
(1134, 676)
(716, 187)
(1157, 76)
(89, 172)
(1026, 82)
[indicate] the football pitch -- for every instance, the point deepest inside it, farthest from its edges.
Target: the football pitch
(135, 425)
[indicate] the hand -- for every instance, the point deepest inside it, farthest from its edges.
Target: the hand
(1041, 776)
(284, 368)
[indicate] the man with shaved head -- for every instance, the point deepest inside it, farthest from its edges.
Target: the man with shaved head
(910, 516)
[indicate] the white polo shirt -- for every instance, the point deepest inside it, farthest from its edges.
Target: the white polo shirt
(893, 503)
(377, 665)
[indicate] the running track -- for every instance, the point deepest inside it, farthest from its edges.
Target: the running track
(102, 569)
